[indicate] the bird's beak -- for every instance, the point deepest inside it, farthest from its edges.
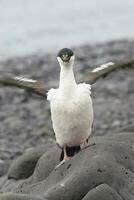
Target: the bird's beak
(65, 58)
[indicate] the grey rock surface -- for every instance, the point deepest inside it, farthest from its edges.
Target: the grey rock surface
(19, 197)
(24, 165)
(104, 192)
(105, 169)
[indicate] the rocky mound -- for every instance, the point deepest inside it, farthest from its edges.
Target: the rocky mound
(104, 170)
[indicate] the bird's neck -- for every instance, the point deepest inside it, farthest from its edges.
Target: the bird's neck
(67, 80)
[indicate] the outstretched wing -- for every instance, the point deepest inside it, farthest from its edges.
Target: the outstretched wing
(105, 69)
(29, 84)
(38, 87)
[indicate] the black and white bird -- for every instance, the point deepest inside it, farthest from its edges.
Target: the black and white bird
(71, 108)
(70, 104)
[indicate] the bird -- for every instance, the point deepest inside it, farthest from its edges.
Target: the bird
(70, 104)
(71, 108)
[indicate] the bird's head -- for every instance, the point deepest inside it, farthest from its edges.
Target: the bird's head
(65, 57)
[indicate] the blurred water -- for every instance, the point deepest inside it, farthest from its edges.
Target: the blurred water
(28, 26)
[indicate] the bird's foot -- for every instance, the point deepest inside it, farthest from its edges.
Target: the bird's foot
(84, 145)
(66, 158)
(61, 163)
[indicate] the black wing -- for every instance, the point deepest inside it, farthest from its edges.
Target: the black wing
(32, 85)
(105, 69)
(39, 88)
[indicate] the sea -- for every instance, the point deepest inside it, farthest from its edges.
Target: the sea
(44, 26)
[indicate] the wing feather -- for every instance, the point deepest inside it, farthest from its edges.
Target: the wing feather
(35, 86)
(105, 69)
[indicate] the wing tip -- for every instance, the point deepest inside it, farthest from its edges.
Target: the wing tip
(23, 79)
(103, 66)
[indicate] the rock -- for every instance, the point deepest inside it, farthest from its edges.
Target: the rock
(19, 197)
(129, 128)
(46, 164)
(4, 167)
(105, 169)
(104, 192)
(24, 165)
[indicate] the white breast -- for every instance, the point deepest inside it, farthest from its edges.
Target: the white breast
(72, 117)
